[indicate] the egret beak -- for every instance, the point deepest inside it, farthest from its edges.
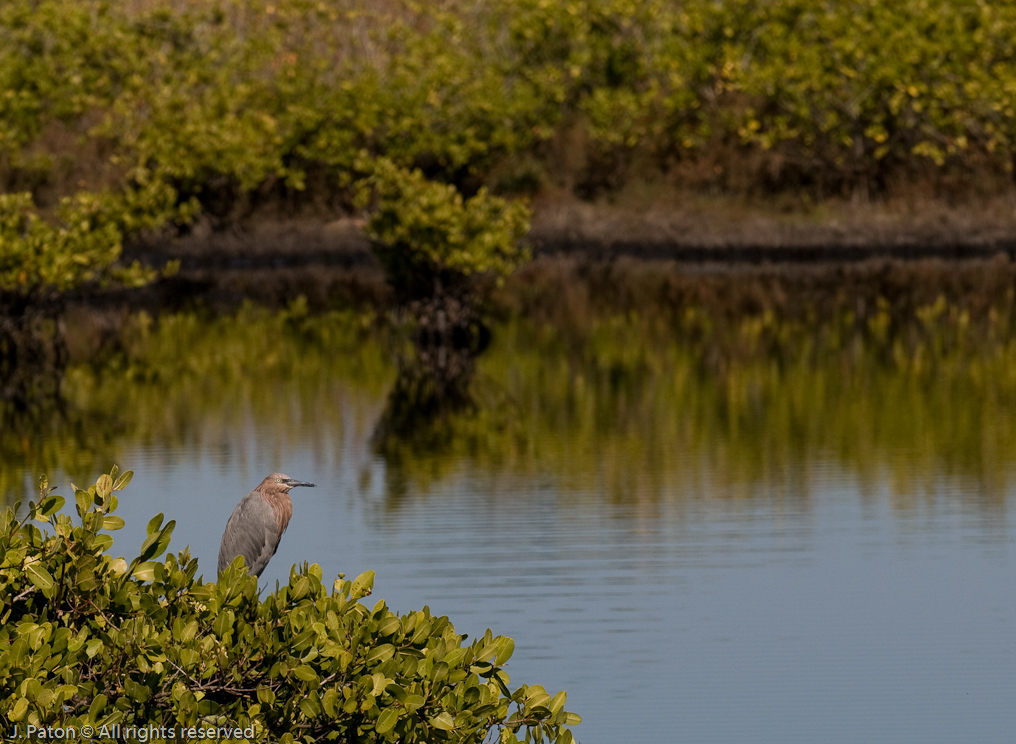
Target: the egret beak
(293, 483)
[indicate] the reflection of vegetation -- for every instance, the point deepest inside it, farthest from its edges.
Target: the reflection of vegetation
(431, 391)
(644, 408)
(435, 377)
(639, 405)
(208, 384)
(32, 354)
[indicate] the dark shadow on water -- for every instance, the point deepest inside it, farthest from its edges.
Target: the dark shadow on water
(33, 351)
(435, 376)
(425, 396)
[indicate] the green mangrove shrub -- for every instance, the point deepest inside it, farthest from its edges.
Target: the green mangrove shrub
(226, 100)
(88, 639)
(430, 240)
(45, 256)
(82, 244)
(433, 245)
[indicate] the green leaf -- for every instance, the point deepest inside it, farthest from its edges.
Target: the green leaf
(363, 585)
(154, 524)
(149, 571)
(557, 703)
(189, 631)
(223, 623)
(501, 678)
(112, 522)
(18, 710)
(413, 702)
(536, 695)
(104, 486)
(157, 542)
(329, 701)
(40, 577)
(397, 691)
(381, 654)
(505, 647)
(386, 721)
(310, 707)
(97, 706)
(443, 721)
(391, 626)
(439, 672)
(136, 692)
(51, 504)
(123, 480)
(84, 502)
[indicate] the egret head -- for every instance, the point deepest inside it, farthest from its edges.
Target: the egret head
(281, 482)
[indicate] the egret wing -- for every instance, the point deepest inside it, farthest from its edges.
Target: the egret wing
(252, 531)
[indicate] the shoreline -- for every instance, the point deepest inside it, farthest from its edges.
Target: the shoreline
(834, 250)
(684, 228)
(693, 228)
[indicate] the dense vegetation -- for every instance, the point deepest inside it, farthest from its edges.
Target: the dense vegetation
(89, 639)
(161, 108)
(119, 119)
(430, 241)
(221, 95)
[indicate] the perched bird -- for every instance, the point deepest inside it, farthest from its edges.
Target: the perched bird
(257, 523)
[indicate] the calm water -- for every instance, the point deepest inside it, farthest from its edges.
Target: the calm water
(838, 587)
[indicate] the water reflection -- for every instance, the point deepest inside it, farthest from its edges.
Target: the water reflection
(207, 387)
(627, 408)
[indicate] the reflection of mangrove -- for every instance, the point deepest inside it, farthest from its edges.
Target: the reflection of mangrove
(189, 381)
(435, 375)
(654, 409)
(52, 433)
(575, 292)
(422, 404)
(33, 352)
(640, 407)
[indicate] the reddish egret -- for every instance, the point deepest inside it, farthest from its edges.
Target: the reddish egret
(257, 523)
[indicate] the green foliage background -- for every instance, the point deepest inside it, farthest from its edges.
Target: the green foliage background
(219, 105)
(222, 94)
